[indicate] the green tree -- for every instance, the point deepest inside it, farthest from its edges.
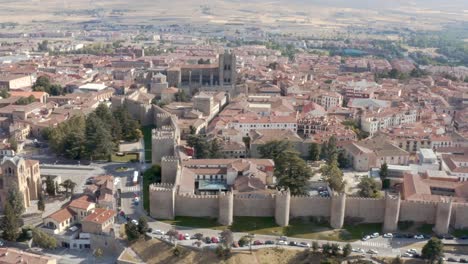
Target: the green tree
(332, 174)
(13, 143)
(43, 46)
(291, 170)
(25, 100)
(50, 186)
(10, 223)
(200, 146)
(315, 246)
(246, 141)
(394, 74)
(43, 240)
(41, 203)
(143, 225)
(4, 93)
(244, 241)
(343, 161)
(193, 130)
(327, 249)
(383, 171)
(69, 185)
(227, 238)
(99, 140)
(172, 234)
(131, 230)
(16, 200)
(314, 152)
(181, 96)
(215, 149)
(335, 249)
(368, 188)
(433, 250)
(347, 249)
(98, 253)
(329, 149)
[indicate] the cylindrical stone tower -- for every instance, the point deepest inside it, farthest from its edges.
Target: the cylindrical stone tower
(338, 207)
(442, 221)
(282, 202)
(226, 208)
(392, 212)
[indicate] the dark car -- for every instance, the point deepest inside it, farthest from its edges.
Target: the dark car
(464, 237)
(207, 240)
(416, 256)
(269, 242)
(398, 236)
(293, 243)
(452, 260)
(462, 260)
(257, 243)
(449, 237)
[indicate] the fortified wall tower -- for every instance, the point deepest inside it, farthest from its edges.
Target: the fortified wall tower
(163, 144)
(442, 221)
(162, 201)
(226, 208)
(169, 169)
(338, 209)
(392, 212)
(282, 207)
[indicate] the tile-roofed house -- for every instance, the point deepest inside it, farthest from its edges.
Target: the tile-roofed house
(99, 221)
(424, 188)
(456, 165)
(60, 220)
(16, 256)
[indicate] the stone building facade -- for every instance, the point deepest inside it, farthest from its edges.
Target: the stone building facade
(23, 173)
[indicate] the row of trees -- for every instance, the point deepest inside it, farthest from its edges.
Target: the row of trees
(14, 208)
(95, 136)
(327, 151)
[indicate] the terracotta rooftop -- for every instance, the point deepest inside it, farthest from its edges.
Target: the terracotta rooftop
(62, 215)
(99, 216)
(80, 204)
(15, 256)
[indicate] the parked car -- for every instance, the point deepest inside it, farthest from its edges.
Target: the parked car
(187, 236)
(293, 243)
(269, 242)
(366, 238)
(135, 222)
(411, 251)
(388, 235)
(282, 242)
(122, 213)
(375, 235)
(214, 240)
(181, 237)
(462, 260)
(158, 232)
(408, 255)
(371, 251)
(452, 260)
(257, 243)
(283, 238)
(449, 237)
(235, 244)
(464, 237)
(207, 240)
(304, 244)
(2, 243)
(418, 237)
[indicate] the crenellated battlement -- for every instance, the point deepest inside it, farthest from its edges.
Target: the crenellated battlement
(309, 197)
(169, 159)
(195, 196)
(364, 198)
(161, 187)
(254, 197)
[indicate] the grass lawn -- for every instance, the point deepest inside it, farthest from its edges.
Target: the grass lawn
(257, 225)
(358, 231)
(125, 158)
(460, 232)
(147, 138)
(197, 222)
(426, 229)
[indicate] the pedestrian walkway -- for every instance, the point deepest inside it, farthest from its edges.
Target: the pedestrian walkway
(135, 188)
(374, 244)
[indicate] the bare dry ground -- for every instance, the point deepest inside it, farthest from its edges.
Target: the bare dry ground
(155, 251)
(279, 14)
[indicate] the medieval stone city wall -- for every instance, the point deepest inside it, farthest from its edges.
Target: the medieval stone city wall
(310, 206)
(418, 211)
(197, 205)
(369, 210)
(254, 206)
(460, 216)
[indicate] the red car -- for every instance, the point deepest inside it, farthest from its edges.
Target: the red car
(181, 237)
(214, 240)
(257, 242)
(235, 244)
